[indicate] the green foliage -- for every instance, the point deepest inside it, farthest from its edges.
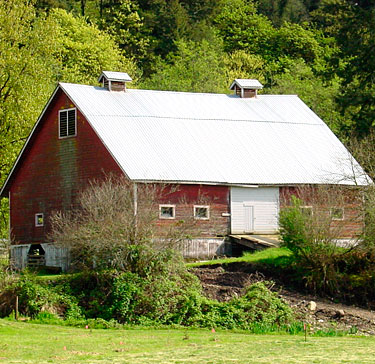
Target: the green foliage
(123, 22)
(4, 218)
(186, 70)
(322, 266)
(307, 233)
(36, 297)
(103, 299)
(241, 27)
(241, 64)
(351, 24)
(27, 43)
(295, 11)
(84, 51)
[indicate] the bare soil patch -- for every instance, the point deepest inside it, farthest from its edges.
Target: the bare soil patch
(222, 285)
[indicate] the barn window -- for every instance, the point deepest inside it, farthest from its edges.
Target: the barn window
(307, 210)
(39, 219)
(201, 212)
(67, 123)
(167, 211)
(337, 213)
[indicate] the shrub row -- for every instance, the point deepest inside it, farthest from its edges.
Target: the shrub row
(126, 298)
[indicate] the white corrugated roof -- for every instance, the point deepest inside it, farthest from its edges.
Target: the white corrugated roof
(215, 138)
(115, 76)
(246, 83)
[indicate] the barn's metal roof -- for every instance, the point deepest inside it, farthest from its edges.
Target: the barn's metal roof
(115, 76)
(215, 138)
(246, 83)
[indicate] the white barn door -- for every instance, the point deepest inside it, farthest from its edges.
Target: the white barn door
(254, 210)
(248, 217)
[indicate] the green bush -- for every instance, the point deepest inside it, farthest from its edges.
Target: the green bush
(36, 296)
(311, 239)
(109, 299)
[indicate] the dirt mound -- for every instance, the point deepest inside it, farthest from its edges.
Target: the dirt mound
(318, 313)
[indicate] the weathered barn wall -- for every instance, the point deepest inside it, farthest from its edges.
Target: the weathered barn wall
(206, 248)
(56, 256)
(18, 256)
(186, 196)
(52, 172)
(349, 198)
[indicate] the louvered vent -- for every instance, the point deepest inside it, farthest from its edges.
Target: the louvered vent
(67, 123)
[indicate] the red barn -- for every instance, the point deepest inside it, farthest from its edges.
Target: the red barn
(243, 151)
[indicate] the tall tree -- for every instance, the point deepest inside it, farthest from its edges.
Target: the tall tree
(123, 22)
(352, 24)
(26, 47)
(194, 67)
(83, 51)
(242, 27)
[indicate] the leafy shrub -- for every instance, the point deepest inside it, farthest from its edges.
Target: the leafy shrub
(260, 305)
(311, 238)
(109, 299)
(37, 296)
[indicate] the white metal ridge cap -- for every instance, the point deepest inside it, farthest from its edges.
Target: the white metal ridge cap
(66, 85)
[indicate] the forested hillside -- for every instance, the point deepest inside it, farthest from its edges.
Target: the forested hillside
(322, 50)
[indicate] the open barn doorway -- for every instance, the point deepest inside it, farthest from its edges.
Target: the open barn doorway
(36, 257)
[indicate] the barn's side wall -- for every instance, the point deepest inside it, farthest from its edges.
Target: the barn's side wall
(52, 171)
(185, 196)
(347, 197)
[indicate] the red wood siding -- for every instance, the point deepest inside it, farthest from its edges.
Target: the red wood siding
(350, 199)
(53, 170)
(184, 197)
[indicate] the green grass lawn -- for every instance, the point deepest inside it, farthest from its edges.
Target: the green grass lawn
(31, 343)
(263, 256)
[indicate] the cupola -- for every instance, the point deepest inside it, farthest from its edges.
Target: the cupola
(246, 88)
(114, 81)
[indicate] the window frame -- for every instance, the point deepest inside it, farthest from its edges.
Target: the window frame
(307, 208)
(201, 207)
(36, 219)
(67, 121)
(167, 217)
(337, 218)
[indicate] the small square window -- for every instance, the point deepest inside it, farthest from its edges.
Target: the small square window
(307, 210)
(201, 212)
(39, 219)
(67, 123)
(337, 213)
(167, 211)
